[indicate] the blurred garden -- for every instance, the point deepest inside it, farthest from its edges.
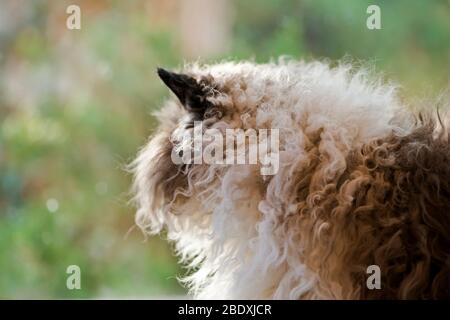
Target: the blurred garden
(75, 106)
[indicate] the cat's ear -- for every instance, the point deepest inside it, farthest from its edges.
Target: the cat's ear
(192, 94)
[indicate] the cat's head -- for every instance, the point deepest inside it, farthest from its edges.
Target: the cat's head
(213, 108)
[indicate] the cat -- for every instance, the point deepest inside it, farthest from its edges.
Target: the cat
(362, 181)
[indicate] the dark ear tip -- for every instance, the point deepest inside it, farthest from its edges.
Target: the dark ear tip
(162, 73)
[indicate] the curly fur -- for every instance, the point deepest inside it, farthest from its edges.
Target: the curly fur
(361, 182)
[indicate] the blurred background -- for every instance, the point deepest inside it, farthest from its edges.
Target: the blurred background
(75, 107)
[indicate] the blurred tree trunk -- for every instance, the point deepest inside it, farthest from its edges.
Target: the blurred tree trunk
(205, 27)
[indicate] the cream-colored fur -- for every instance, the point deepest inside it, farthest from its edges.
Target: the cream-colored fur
(236, 229)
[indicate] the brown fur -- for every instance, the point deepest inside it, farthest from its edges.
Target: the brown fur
(390, 207)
